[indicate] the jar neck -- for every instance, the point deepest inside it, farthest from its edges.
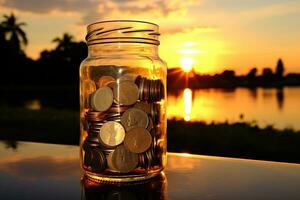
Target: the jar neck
(122, 49)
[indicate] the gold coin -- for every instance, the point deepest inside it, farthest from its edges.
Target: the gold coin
(102, 99)
(112, 134)
(123, 160)
(126, 93)
(105, 81)
(134, 117)
(138, 140)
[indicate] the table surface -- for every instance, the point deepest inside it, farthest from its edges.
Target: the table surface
(48, 171)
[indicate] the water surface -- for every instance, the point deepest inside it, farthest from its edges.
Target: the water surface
(264, 106)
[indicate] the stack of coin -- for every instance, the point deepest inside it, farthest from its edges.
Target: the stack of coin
(150, 90)
(121, 124)
(94, 159)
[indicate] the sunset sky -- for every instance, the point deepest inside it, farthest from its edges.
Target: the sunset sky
(210, 34)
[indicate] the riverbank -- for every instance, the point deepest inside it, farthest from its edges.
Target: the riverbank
(241, 140)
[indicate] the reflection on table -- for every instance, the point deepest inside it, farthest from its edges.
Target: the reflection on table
(150, 189)
(47, 171)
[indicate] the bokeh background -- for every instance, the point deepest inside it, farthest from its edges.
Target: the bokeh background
(233, 72)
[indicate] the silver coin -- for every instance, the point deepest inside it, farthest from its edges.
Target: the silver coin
(102, 99)
(112, 134)
(133, 118)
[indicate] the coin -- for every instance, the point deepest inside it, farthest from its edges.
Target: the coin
(126, 93)
(150, 124)
(111, 84)
(118, 109)
(146, 89)
(128, 77)
(87, 158)
(112, 134)
(93, 139)
(155, 113)
(88, 144)
(95, 116)
(143, 106)
(107, 151)
(123, 160)
(150, 156)
(105, 81)
(109, 162)
(134, 117)
(138, 140)
(98, 163)
(102, 99)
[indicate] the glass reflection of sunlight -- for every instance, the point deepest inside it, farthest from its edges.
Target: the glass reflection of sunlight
(187, 94)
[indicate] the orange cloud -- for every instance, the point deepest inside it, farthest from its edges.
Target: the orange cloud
(95, 10)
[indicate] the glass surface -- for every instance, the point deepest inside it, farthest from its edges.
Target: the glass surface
(122, 94)
(47, 171)
(278, 107)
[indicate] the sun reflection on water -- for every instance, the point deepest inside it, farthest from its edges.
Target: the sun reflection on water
(187, 94)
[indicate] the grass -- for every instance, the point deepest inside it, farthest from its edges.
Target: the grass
(242, 140)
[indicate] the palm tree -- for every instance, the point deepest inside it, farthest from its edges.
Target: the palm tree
(65, 42)
(13, 31)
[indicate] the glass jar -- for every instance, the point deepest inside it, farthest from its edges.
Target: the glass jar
(122, 102)
(152, 189)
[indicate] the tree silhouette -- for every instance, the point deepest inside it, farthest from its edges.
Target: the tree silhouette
(64, 43)
(279, 68)
(13, 32)
(252, 73)
(267, 72)
(2, 36)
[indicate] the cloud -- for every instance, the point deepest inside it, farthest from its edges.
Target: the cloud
(271, 11)
(186, 28)
(92, 10)
(37, 6)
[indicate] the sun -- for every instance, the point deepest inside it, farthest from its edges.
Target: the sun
(187, 64)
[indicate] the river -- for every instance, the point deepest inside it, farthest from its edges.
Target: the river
(262, 106)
